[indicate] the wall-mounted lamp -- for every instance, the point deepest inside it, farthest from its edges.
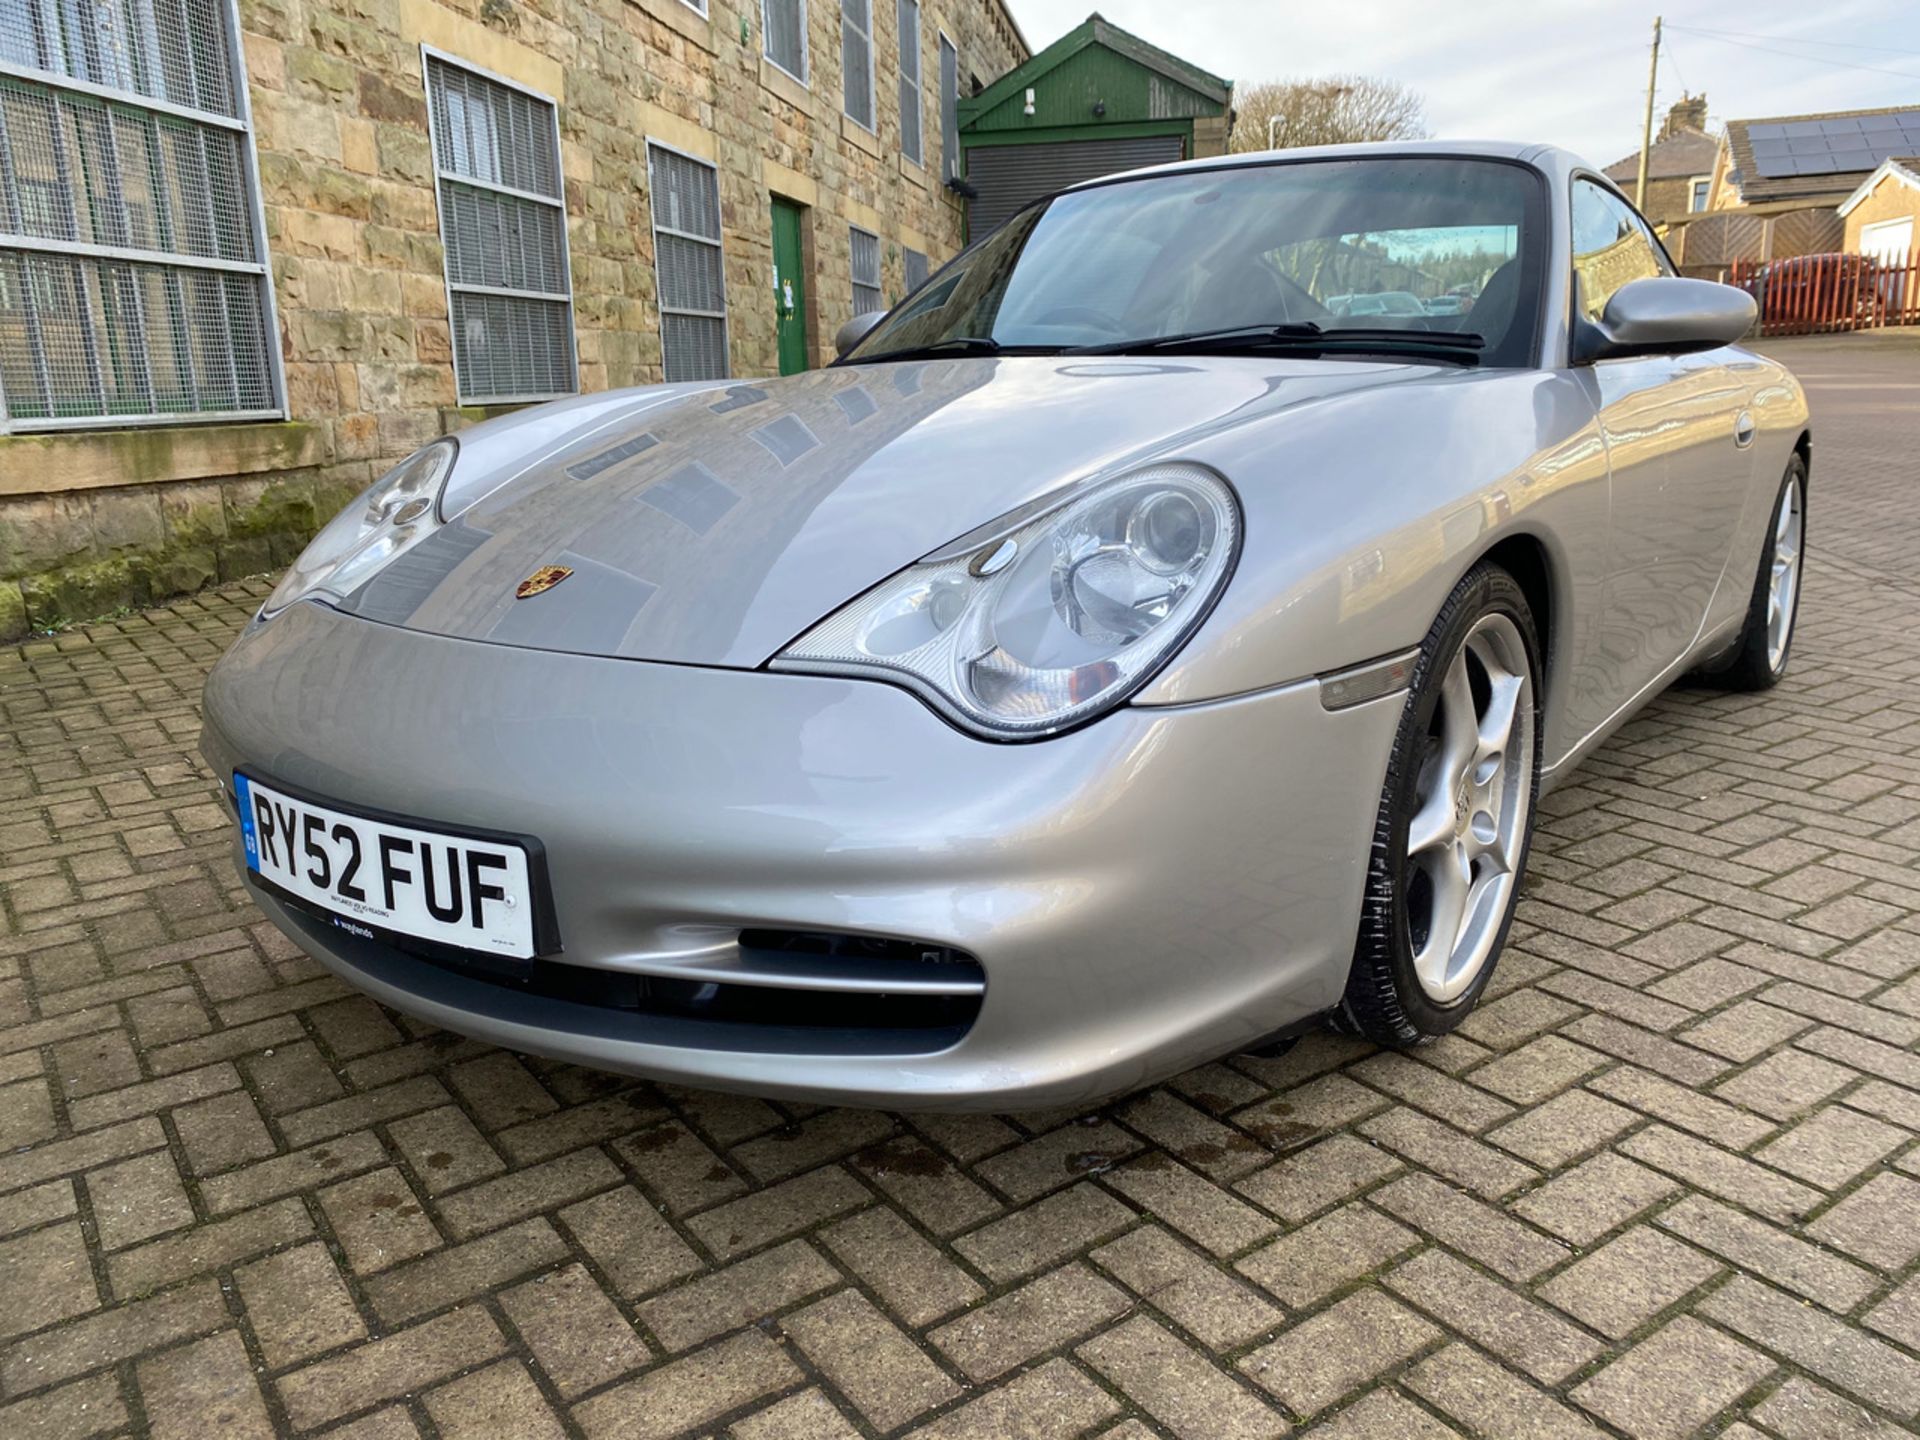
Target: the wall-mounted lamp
(1099, 109)
(1029, 100)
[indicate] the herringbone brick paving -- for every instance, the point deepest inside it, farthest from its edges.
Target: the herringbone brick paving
(1665, 1182)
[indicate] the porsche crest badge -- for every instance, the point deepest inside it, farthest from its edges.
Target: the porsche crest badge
(541, 581)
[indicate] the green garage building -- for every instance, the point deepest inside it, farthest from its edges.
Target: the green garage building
(1096, 101)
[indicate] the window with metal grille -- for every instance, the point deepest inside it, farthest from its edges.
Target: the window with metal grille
(856, 60)
(916, 268)
(688, 265)
(949, 110)
(133, 279)
(866, 271)
(910, 143)
(784, 24)
(503, 223)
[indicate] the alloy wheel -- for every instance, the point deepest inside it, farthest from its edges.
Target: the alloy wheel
(1472, 800)
(1783, 585)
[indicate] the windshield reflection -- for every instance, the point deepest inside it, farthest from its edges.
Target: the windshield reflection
(1405, 246)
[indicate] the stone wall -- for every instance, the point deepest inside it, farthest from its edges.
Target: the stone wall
(92, 522)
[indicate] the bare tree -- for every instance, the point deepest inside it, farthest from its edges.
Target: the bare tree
(1334, 110)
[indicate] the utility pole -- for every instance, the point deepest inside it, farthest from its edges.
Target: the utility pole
(1646, 129)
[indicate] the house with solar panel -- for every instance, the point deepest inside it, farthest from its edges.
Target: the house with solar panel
(1804, 162)
(1778, 184)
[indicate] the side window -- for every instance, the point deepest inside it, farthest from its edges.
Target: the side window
(856, 62)
(503, 226)
(690, 272)
(909, 29)
(864, 250)
(783, 26)
(1611, 245)
(949, 110)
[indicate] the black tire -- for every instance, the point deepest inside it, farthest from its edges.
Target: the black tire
(1750, 665)
(1385, 1000)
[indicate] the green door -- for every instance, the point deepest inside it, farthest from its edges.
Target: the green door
(789, 287)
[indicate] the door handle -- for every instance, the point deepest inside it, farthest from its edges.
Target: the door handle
(1743, 429)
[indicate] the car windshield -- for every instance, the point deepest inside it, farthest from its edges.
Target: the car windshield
(1346, 245)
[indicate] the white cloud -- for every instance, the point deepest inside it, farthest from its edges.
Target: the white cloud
(1574, 74)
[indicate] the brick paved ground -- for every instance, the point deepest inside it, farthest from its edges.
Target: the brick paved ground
(1664, 1181)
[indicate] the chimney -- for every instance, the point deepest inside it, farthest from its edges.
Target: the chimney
(1689, 112)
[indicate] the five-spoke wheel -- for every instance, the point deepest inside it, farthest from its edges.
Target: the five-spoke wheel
(1455, 819)
(1464, 840)
(1783, 576)
(1758, 656)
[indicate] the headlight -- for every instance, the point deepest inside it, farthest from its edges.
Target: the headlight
(1037, 623)
(401, 509)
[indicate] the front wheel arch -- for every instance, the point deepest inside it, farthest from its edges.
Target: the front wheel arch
(1525, 557)
(1384, 996)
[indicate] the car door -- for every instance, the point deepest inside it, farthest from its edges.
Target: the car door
(1676, 432)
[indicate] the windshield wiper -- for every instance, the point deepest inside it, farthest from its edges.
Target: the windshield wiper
(1299, 335)
(953, 345)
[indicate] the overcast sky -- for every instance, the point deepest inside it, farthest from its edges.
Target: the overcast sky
(1571, 73)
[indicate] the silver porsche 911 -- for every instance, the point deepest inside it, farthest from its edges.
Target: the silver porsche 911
(1121, 657)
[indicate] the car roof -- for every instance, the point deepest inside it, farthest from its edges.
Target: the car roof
(1550, 158)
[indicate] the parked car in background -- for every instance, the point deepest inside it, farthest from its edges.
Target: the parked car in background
(1448, 305)
(1836, 286)
(1120, 657)
(1384, 302)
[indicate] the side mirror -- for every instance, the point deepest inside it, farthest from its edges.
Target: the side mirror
(1666, 315)
(855, 330)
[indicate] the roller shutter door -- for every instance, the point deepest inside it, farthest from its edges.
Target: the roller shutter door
(1009, 176)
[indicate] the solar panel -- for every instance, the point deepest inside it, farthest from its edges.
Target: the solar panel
(1842, 145)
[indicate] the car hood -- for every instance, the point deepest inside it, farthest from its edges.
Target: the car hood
(711, 525)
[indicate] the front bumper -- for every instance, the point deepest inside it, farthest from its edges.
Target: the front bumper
(1153, 890)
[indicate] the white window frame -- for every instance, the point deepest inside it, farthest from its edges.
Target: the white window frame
(699, 7)
(718, 243)
(873, 98)
(1705, 200)
(879, 286)
(949, 164)
(261, 266)
(918, 82)
(440, 175)
(806, 43)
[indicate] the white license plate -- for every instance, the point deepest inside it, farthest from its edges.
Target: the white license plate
(367, 874)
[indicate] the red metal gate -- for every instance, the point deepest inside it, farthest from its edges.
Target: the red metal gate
(1817, 294)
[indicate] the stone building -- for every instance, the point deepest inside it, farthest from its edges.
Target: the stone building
(251, 253)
